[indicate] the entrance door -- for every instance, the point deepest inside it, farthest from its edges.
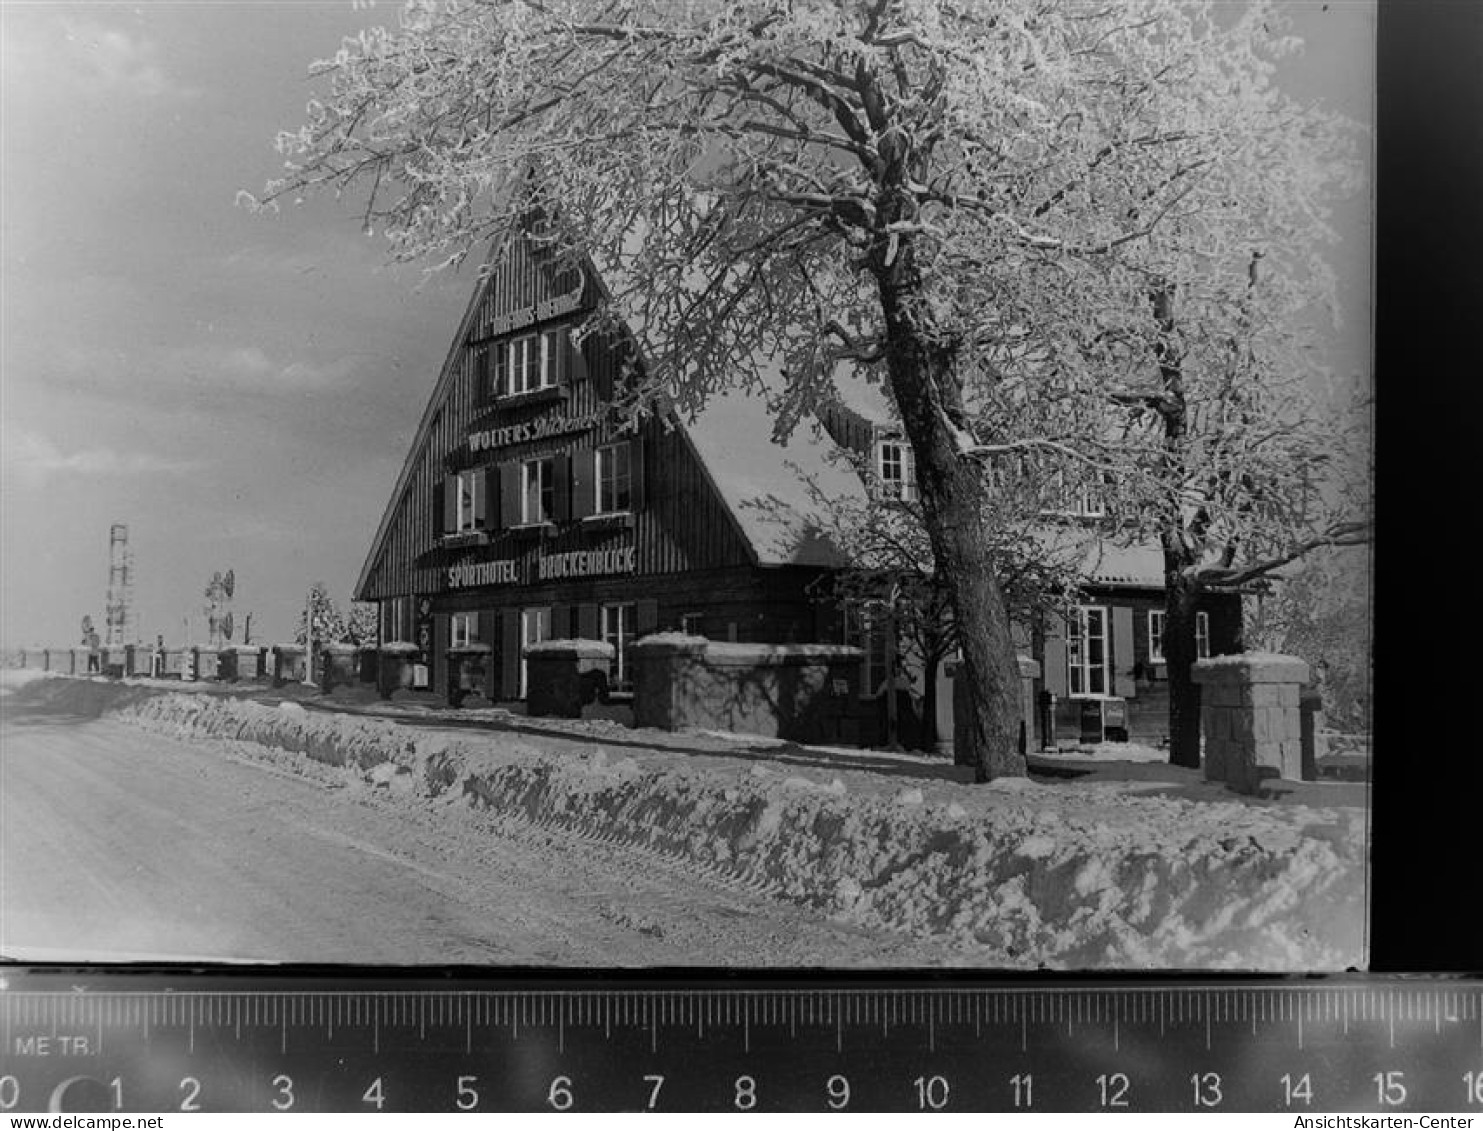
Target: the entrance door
(535, 626)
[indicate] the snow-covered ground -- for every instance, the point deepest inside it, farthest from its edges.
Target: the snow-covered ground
(1134, 864)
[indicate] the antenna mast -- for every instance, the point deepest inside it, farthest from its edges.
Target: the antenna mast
(119, 615)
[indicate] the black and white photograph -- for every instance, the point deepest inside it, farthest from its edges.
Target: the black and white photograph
(841, 485)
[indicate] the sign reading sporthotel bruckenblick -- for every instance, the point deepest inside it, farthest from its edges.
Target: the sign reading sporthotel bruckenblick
(549, 567)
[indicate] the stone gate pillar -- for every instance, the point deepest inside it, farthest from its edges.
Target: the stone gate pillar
(1251, 718)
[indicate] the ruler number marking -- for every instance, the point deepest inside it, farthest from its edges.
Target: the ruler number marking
(932, 1093)
(1390, 1088)
(1207, 1089)
(285, 1086)
(838, 1088)
(1300, 1089)
(1113, 1089)
(746, 1093)
(1473, 1083)
(1023, 1084)
(559, 1095)
(655, 1083)
(375, 1094)
(468, 1096)
(10, 1092)
(192, 1089)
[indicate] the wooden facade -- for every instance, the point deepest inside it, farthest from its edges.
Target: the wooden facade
(527, 510)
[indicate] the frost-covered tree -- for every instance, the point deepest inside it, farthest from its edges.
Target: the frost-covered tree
(970, 203)
(362, 623)
(1320, 610)
(328, 622)
(888, 564)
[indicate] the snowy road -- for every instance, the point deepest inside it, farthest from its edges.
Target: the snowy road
(115, 843)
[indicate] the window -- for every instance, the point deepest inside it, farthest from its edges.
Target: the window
(535, 626)
(691, 624)
(393, 620)
(467, 509)
(618, 623)
(464, 629)
(1082, 500)
(895, 470)
(528, 363)
(614, 479)
(1156, 636)
(1086, 651)
(865, 624)
(537, 491)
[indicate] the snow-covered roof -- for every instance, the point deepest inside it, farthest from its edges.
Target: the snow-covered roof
(1141, 566)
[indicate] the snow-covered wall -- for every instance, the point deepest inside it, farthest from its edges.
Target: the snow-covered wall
(1016, 873)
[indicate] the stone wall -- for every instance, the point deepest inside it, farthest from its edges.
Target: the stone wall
(1250, 715)
(803, 692)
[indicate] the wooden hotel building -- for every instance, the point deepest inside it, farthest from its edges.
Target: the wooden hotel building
(527, 511)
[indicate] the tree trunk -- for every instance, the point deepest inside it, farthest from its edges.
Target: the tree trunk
(1181, 596)
(954, 501)
(927, 736)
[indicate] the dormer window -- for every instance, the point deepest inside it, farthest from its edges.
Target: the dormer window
(529, 363)
(1076, 499)
(895, 470)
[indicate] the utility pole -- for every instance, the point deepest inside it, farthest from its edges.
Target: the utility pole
(309, 638)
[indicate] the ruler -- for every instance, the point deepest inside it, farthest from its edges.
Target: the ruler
(162, 1042)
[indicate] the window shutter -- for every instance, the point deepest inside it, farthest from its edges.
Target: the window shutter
(509, 652)
(648, 617)
(481, 499)
(1054, 669)
(438, 665)
(450, 504)
(584, 483)
(499, 381)
(561, 341)
(561, 487)
(588, 627)
(576, 359)
(480, 367)
(509, 495)
(489, 634)
(639, 481)
(1122, 652)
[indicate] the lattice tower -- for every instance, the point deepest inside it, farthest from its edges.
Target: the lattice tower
(119, 619)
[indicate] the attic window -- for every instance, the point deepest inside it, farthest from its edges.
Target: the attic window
(1077, 499)
(895, 470)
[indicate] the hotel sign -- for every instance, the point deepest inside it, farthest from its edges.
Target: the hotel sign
(466, 574)
(585, 563)
(540, 312)
(542, 427)
(471, 573)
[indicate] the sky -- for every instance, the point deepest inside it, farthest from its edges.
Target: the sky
(241, 389)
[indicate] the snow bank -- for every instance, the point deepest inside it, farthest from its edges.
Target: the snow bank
(1018, 873)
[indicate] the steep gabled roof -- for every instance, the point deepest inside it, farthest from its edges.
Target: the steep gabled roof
(424, 426)
(731, 436)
